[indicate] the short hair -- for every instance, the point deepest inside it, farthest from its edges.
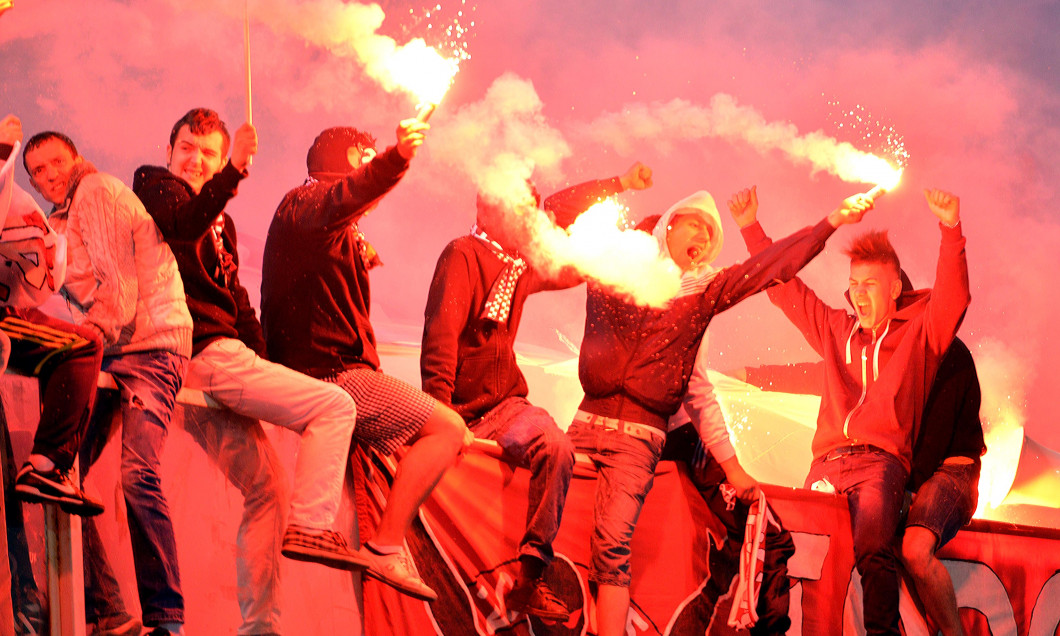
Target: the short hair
(202, 121)
(328, 154)
(874, 247)
(36, 141)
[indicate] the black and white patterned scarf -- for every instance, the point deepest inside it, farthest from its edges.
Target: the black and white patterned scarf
(498, 304)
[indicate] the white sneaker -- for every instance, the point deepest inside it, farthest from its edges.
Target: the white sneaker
(398, 571)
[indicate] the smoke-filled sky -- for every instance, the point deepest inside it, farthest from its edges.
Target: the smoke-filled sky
(584, 89)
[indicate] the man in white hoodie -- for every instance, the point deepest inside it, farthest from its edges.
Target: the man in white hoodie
(122, 283)
(635, 364)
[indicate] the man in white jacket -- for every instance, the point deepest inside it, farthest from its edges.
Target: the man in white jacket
(122, 283)
(66, 358)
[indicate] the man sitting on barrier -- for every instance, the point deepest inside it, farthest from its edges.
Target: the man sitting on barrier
(123, 284)
(474, 307)
(187, 198)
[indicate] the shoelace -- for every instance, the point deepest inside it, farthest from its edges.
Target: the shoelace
(405, 559)
(336, 538)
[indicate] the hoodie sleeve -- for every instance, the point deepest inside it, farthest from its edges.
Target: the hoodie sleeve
(776, 263)
(179, 213)
(951, 295)
(703, 409)
(351, 197)
(802, 307)
(446, 314)
(567, 205)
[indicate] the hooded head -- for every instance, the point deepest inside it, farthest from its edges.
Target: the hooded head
(690, 231)
(507, 222)
(338, 151)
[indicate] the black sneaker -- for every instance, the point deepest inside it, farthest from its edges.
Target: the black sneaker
(55, 486)
(536, 598)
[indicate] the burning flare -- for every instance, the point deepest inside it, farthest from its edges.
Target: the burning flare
(421, 71)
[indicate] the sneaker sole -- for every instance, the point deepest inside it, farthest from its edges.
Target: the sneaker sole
(323, 557)
(415, 592)
(69, 505)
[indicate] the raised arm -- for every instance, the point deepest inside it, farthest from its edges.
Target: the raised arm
(798, 302)
(568, 204)
(184, 215)
(354, 195)
(951, 295)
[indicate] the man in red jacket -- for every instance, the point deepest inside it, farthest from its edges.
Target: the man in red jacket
(472, 316)
(879, 367)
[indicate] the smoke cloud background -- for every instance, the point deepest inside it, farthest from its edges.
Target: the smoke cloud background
(973, 88)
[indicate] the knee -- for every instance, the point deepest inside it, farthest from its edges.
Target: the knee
(453, 432)
(341, 402)
(139, 479)
(917, 550)
(559, 450)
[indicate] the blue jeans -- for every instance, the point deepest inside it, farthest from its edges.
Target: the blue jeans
(625, 472)
(530, 435)
(147, 383)
(874, 483)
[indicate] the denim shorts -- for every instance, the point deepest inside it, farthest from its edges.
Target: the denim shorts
(625, 471)
(946, 501)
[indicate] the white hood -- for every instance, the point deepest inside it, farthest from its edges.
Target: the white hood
(702, 203)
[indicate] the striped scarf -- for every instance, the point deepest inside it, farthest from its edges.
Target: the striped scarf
(498, 304)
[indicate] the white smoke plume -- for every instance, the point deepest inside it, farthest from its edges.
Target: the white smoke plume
(498, 143)
(350, 30)
(626, 261)
(664, 122)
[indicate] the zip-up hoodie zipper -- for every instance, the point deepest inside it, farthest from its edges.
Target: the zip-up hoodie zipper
(864, 369)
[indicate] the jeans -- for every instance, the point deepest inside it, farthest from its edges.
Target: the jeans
(322, 413)
(530, 435)
(147, 383)
(241, 451)
(874, 483)
(946, 502)
(625, 472)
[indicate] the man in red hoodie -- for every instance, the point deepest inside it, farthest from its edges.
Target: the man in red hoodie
(879, 367)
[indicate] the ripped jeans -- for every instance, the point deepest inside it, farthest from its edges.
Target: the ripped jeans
(147, 383)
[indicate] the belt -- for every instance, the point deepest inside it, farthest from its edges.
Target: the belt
(633, 429)
(851, 449)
